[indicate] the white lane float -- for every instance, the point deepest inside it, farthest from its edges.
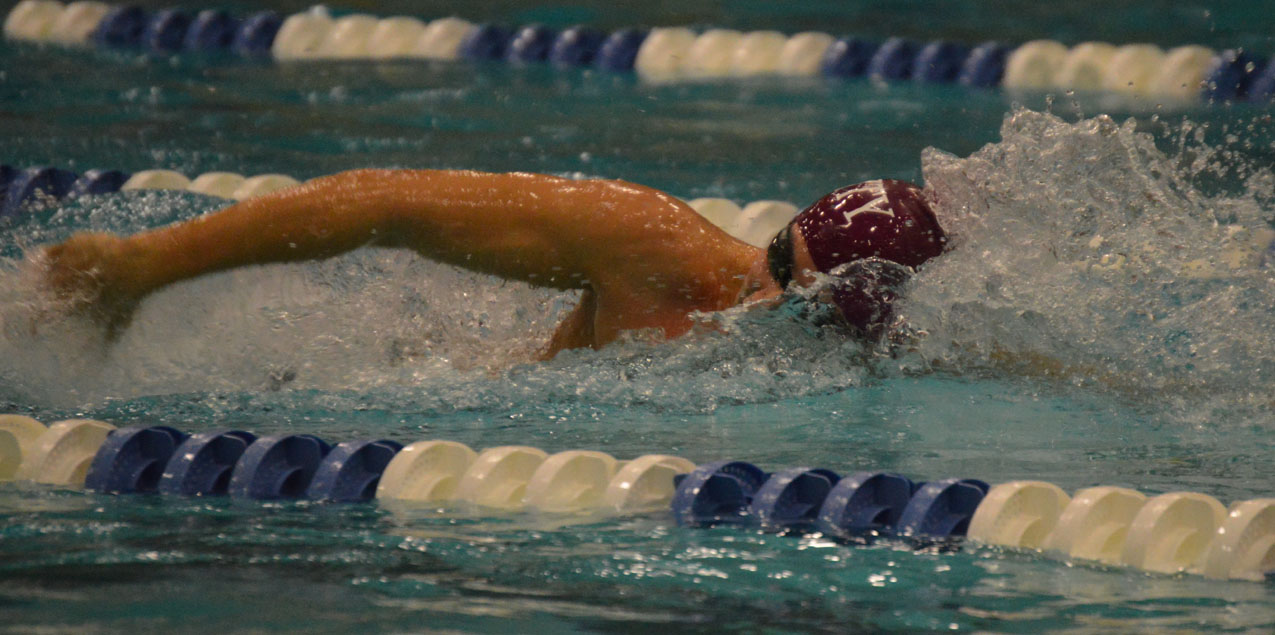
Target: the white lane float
(1095, 524)
(1018, 514)
(394, 37)
(1085, 66)
(62, 454)
(17, 436)
(645, 484)
(664, 53)
(1034, 65)
(1183, 72)
(712, 53)
(262, 184)
(302, 35)
(570, 481)
(75, 25)
(1172, 531)
(32, 20)
(426, 471)
(349, 38)
(1133, 68)
(803, 53)
(722, 212)
(1244, 546)
(498, 477)
(442, 38)
(758, 53)
(221, 184)
(156, 180)
(759, 221)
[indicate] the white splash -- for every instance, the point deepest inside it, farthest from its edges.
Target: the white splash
(1087, 245)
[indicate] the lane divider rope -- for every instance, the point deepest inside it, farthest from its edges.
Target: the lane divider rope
(659, 54)
(1171, 533)
(100, 457)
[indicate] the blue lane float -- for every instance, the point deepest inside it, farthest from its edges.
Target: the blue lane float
(121, 28)
(203, 464)
(7, 172)
(717, 493)
(211, 30)
(486, 43)
(985, 66)
(939, 62)
(790, 499)
(530, 44)
(98, 182)
(22, 188)
(863, 504)
(352, 470)
(1230, 76)
(847, 58)
(576, 46)
(798, 500)
(35, 184)
(132, 460)
(171, 30)
(256, 34)
(942, 508)
(165, 31)
(278, 467)
(1262, 88)
(619, 50)
(893, 61)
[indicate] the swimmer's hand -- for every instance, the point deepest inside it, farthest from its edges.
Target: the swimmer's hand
(92, 274)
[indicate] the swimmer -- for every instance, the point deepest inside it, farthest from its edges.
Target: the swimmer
(642, 259)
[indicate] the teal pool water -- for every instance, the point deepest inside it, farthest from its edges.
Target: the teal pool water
(381, 344)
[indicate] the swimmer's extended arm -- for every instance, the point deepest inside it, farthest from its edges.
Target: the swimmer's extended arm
(646, 255)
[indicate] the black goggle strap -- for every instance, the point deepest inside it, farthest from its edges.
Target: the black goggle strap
(779, 257)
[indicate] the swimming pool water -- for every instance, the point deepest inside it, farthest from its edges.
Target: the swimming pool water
(381, 344)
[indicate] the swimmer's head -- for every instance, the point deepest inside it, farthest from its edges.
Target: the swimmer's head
(869, 236)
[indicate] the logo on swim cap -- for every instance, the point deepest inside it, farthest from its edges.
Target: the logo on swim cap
(862, 233)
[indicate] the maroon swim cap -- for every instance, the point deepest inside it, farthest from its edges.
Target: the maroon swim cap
(876, 219)
(863, 233)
